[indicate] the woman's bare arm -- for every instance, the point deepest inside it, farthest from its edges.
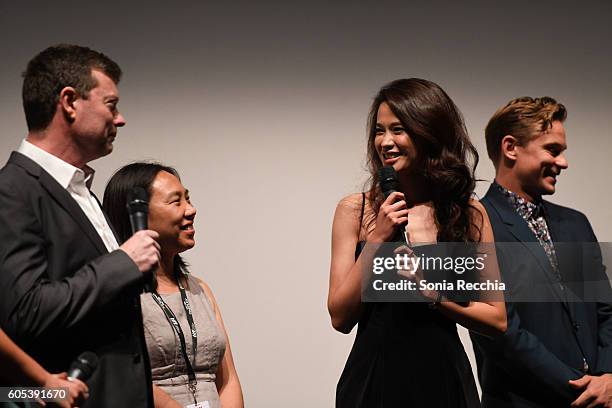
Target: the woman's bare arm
(346, 274)
(227, 381)
(18, 368)
(487, 317)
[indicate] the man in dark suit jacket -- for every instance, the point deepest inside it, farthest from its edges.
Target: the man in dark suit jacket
(557, 349)
(65, 284)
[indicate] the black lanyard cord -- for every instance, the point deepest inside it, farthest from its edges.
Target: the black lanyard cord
(171, 317)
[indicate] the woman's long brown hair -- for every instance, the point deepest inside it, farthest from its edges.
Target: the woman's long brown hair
(444, 151)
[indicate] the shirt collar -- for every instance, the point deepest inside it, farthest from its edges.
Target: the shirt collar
(526, 209)
(64, 173)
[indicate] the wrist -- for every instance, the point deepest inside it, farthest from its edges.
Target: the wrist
(45, 380)
(436, 301)
(375, 238)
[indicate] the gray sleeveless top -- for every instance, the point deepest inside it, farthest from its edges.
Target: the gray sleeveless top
(167, 365)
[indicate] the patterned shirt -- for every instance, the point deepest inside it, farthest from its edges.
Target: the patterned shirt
(533, 215)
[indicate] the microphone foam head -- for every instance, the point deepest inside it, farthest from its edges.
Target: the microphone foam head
(388, 180)
(86, 362)
(138, 200)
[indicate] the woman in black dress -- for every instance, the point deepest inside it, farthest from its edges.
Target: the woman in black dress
(409, 354)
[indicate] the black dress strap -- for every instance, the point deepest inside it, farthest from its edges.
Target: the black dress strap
(360, 244)
(362, 209)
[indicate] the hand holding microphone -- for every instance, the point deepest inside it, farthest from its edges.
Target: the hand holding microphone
(142, 247)
(393, 212)
(77, 391)
(74, 381)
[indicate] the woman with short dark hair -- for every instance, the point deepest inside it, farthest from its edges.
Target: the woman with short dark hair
(187, 343)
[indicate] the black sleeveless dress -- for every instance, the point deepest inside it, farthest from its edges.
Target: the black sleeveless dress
(406, 355)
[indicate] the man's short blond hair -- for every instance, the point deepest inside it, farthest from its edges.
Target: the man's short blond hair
(524, 118)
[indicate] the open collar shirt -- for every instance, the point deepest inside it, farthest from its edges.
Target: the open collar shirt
(533, 214)
(77, 182)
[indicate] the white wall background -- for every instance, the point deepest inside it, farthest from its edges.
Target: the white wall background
(262, 108)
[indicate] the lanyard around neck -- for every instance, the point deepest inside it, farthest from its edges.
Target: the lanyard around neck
(171, 317)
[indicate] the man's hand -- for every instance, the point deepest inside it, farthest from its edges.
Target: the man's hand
(596, 391)
(143, 249)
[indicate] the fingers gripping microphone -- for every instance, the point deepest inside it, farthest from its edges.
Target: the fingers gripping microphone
(83, 367)
(138, 210)
(389, 183)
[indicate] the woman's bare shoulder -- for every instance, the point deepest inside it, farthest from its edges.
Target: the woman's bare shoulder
(476, 205)
(351, 202)
(203, 285)
(209, 293)
(351, 206)
(348, 218)
(481, 225)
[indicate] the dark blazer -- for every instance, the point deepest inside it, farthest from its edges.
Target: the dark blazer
(62, 293)
(547, 342)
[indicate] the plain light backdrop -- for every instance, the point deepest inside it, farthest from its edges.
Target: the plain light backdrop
(261, 106)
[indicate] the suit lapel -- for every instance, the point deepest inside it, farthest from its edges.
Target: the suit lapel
(557, 233)
(519, 228)
(62, 197)
(568, 253)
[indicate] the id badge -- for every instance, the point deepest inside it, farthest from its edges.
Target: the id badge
(203, 404)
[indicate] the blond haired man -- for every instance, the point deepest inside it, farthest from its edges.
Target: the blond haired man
(557, 351)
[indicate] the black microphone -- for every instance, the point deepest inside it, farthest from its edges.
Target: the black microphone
(389, 183)
(83, 367)
(388, 180)
(138, 210)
